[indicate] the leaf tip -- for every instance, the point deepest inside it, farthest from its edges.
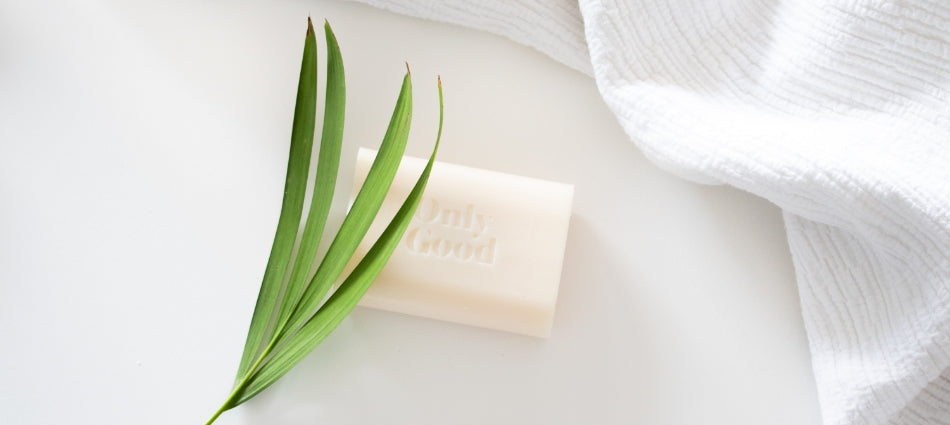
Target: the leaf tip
(309, 26)
(407, 68)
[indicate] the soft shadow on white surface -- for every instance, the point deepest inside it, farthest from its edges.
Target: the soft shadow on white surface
(413, 370)
(142, 151)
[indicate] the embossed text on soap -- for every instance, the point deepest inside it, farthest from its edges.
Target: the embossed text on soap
(452, 232)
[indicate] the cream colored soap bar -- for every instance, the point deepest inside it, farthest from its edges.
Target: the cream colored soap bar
(483, 249)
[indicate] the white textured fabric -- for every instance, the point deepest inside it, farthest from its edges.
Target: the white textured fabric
(838, 112)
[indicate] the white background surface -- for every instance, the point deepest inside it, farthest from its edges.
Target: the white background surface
(142, 152)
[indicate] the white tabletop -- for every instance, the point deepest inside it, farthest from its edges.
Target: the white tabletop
(142, 152)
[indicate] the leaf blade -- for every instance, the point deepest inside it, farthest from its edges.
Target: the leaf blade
(328, 165)
(361, 214)
(295, 186)
(342, 302)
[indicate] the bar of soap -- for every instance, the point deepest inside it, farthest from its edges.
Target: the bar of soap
(484, 248)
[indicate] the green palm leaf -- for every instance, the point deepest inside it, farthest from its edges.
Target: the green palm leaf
(295, 187)
(287, 325)
(328, 165)
(364, 209)
(339, 305)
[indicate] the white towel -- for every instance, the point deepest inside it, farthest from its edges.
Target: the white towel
(837, 111)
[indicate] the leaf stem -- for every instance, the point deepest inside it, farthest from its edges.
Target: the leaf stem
(216, 414)
(242, 384)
